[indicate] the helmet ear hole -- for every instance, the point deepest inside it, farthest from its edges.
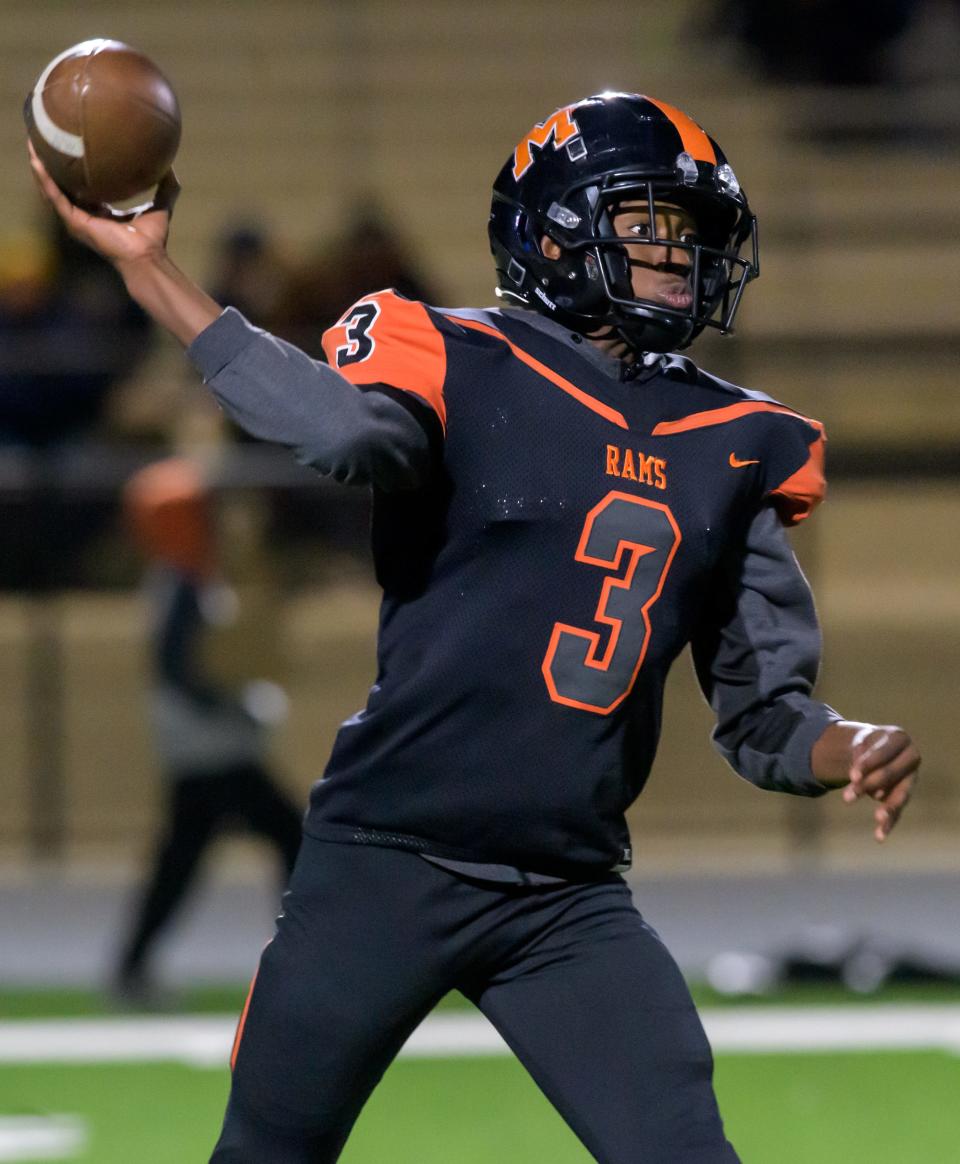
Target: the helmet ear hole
(550, 248)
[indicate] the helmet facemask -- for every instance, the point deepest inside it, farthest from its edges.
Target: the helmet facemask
(590, 288)
(716, 274)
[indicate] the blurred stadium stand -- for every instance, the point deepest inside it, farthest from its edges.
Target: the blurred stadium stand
(295, 113)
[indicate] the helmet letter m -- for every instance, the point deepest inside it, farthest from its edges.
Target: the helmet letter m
(559, 126)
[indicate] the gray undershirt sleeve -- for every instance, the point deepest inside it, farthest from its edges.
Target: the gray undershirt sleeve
(276, 392)
(757, 661)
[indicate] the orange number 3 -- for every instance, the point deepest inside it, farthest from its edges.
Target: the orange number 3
(636, 541)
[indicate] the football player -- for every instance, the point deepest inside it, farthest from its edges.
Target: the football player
(562, 502)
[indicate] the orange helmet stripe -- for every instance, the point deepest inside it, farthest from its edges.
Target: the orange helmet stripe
(695, 141)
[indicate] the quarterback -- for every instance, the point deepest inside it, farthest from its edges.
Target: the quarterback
(562, 502)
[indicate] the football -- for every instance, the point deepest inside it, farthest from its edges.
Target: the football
(104, 121)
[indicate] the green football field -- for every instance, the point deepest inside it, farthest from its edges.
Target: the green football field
(874, 1107)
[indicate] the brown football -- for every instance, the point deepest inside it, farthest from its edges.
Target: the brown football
(105, 122)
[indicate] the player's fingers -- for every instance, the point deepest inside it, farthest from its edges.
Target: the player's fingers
(40, 175)
(883, 823)
(899, 796)
(888, 812)
(71, 214)
(162, 202)
(881, 757)
(873, 749)
(885, 818)
(875, 746)
(47, 185)
(881, 780)
(35, 163)
(167, 193)
(865, 746)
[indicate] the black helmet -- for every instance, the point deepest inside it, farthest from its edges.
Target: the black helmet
(562, 180)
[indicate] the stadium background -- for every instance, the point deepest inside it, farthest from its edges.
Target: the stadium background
(295, 113)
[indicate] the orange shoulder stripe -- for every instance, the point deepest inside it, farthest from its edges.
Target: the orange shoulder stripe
(802, 492)
(555, 378)
(695, 141)
(725, 415)
(405, 349)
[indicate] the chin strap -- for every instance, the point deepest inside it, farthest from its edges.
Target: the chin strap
(645, 365)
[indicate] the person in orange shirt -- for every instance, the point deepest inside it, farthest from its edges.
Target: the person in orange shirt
(211, 741)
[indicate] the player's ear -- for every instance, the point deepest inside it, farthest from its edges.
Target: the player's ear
(550, 248)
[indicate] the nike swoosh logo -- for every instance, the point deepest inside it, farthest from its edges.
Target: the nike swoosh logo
(736, 463)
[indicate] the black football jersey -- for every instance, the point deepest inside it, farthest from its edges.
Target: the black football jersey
(540, 580)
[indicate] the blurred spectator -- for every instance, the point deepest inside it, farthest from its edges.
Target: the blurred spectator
(298, 303)
(250, 274)
(829, 42)
(369, 254)
(211, 741)
(69, 334)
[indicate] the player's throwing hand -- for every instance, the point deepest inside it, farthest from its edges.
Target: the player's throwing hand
(117, 238)
(136, 244)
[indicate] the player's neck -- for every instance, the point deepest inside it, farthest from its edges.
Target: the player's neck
(611, 343)
(633, 364)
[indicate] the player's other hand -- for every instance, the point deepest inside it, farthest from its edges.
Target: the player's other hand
(880, 762)
(885, 767)
(118, 239)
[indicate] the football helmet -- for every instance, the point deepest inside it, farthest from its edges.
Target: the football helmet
(565, 179)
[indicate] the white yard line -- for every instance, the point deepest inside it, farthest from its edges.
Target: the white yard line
(205, 1041)
(54, 1137)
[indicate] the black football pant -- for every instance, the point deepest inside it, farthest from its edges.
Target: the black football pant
(580, 987)
(200, 808)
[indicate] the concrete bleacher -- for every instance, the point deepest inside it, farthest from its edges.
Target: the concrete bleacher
(293, 111)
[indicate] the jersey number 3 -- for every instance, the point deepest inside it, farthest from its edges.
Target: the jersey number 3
(357, 324)
(634, 540)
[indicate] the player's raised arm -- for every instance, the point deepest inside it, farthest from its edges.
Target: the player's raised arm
(270, 388)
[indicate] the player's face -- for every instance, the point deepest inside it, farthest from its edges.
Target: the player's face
(659, 272)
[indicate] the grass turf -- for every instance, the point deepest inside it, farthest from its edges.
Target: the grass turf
(852, 1108)
(877, 1108)
(228, 998)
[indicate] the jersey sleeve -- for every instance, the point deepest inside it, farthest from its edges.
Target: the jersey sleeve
(278, 393)
(387, 340)
(757, 653)
(795, 479)
(788, 447)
